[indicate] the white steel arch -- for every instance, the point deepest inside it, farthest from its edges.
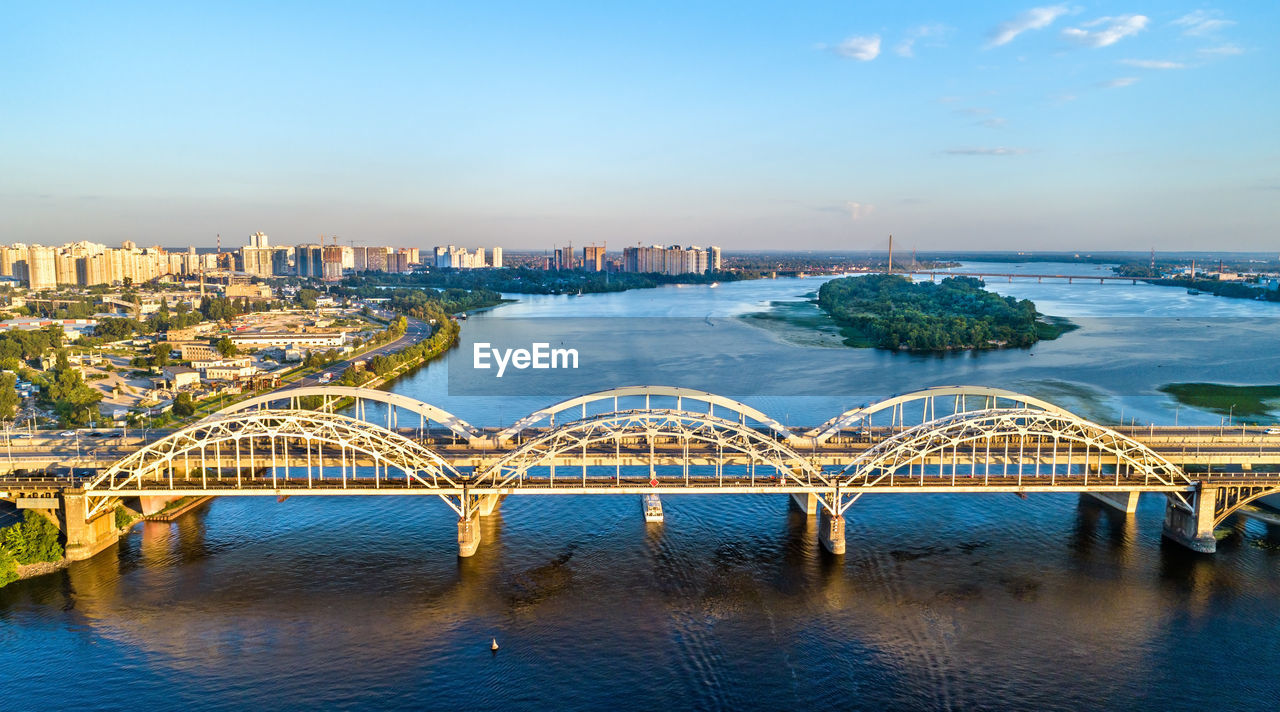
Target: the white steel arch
(648, 426)
(210, 444)
(985, 397)
(1022, 437)
(334, 394)
(712, 401)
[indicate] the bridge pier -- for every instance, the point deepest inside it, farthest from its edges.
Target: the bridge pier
(85, 536)
(153, 504)
(487, 503)
(469, 535)
(1126, 502)
(806, 502)
(1193, 528)
(831, 531)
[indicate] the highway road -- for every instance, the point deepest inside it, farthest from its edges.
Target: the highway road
(416, 332)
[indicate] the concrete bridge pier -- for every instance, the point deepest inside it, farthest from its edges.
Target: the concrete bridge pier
(1126, 502)
(85, 536)
(831, 531)
(469, 535)
(806, 502)
(1193, 528)
(487, 503)
(153, 504)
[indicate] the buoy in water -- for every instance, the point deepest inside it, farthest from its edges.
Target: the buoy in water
(494, 646)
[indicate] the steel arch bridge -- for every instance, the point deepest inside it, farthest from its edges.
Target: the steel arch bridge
(1043, 448)
(961, 397)
(742, 412)
(705, 443)
(333, 397)
(197, 458)
(659, 436)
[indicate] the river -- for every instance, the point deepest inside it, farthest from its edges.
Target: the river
(941, 602)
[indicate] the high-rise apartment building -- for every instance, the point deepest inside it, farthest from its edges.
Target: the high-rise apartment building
(564, 257)
(593, 258)
(257, 258)
(41, 268)
(331, 263)
(667, 260)
(308, 260)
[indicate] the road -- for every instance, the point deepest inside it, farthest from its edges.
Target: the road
(416, 332)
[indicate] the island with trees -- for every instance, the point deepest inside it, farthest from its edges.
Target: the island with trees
(889, 311)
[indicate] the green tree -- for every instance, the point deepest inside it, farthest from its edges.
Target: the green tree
(160, 354)
(225, 346)
(8, 567)
(183, 406)
(74, 402)
(9, 400)
(32, 540)
(307, 298)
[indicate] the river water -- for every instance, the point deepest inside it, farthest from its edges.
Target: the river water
(942, 602)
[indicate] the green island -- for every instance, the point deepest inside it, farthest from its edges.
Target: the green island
(1247, 404)
(889, 311)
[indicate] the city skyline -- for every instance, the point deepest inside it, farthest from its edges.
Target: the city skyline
(1108, 126)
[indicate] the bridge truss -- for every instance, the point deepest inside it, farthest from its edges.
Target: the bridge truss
(253, 451)
(654, 436)
(1031, 449)
(666, 440)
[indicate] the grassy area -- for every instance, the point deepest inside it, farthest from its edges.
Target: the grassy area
(1248, 404)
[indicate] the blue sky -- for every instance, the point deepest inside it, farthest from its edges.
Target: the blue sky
(1108, 125)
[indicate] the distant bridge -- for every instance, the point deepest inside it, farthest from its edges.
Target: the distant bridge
(1010, 276)
(658, 439)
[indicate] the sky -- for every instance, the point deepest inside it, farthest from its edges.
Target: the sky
(792, 125)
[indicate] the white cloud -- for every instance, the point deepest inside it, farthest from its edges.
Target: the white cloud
(1223, 50)
(863, 49)
(906, 48)
(1037, 18)
(1202, 22)
(1153, 64)
(858, 211)
(994, 122)
(973, 111)
(1111, 30)
(1118, 82)
(993, 151)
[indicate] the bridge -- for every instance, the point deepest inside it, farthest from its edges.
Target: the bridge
(1010, 276)
(666, 440)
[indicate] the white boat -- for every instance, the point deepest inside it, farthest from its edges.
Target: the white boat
(652, 508)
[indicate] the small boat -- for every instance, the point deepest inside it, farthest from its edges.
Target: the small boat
(494, 645)
(652, 508)
(462, 316)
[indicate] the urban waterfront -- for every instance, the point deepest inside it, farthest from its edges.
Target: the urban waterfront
(943, 601)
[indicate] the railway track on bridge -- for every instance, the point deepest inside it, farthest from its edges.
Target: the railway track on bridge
(654, 439)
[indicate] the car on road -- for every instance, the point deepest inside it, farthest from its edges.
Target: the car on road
(66, 433)
(1272, 431)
